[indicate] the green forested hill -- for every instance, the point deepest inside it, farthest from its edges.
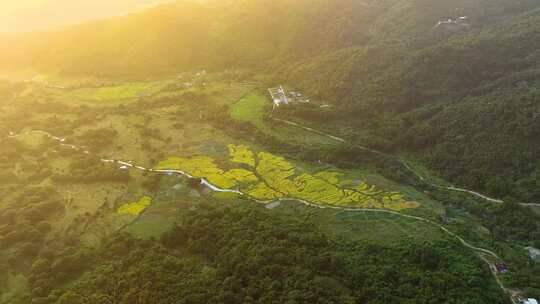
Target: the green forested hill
(246, 255)
(240, 33)
(469, 104)
(465, 99)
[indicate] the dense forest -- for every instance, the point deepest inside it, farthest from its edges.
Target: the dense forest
(244, 254)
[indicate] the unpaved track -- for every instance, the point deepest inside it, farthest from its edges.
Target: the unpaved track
(421, 178)
(215, 188)
(530, 205)
(479, 251)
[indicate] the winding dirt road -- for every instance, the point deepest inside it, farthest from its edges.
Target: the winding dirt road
(128, 164)
(421, 178)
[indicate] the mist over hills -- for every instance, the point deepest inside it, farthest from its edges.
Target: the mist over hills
(31, 15)
(241, 33)
(464, 96)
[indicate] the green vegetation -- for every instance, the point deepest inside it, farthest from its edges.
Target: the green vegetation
(244, 254)
(135, 208)
(473, 119)
(275, 178)
(91, 195)
(111, 94)
(188, 79)
(250, 109)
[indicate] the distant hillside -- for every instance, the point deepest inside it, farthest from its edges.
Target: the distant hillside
(468, 103)
(190, 35)
(28, 15)
(464, 97)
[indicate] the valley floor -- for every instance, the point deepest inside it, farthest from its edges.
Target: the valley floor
(113, 157)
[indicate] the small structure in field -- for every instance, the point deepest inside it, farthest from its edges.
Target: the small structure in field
(453, 24)
(534, 253)
(529, 301)
(297, 97)
(201, 73)
(278, 96)
(273, 205)
(281, 97)
(186, 85)
(500, 268)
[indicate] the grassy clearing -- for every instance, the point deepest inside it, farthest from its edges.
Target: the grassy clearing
(148, 133)
(376, 228)
(33, 140)
(159, 218)
(84, 199)
(135, 208)
(112, 94)
(172, 197)
(301, 137)
(421, 170)
(250, 109)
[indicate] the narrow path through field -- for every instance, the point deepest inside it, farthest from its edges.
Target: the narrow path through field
(510, 292)
(530, 205)
(421, 178)
(479, 251)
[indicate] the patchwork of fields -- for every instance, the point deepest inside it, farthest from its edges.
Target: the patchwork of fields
(200, 130)
(268, 177)
(149, 123)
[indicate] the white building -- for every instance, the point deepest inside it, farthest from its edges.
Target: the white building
(278, 96)
(533, 253)
(281, 97)
(529, 301)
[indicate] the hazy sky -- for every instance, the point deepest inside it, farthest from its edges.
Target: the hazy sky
(27, 15)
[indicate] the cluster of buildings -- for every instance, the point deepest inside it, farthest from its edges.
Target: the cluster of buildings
(280, 97)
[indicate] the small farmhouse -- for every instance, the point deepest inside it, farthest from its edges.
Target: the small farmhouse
(280, 96)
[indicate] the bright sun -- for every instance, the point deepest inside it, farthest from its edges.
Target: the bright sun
(27, 15)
